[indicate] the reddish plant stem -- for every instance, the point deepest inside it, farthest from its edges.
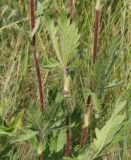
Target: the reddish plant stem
(83, 137)
(71, 8)
(33, 20)
(96, 35)
(37, 64)
(89, 103)
(68, 138)
(40, 157)
(85, 128)
(36, 59)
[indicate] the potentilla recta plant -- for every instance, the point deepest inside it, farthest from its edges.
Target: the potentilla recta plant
(65, 40)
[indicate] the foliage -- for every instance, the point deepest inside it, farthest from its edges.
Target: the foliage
(65, 38)
(62, 41)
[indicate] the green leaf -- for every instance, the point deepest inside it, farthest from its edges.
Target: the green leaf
(34, 142)
(27, 135)
(61, 140)
(59, 97)
(5, 130)
(52, 144)
(52, 29)
(69, 39)
(105, 135)
(5, 150)
(42, 7)
(16, 123)
(113, 84)
(13, 126)
(85, 154)
(65, 39)
(50, 64)
(96, 104)
(34, 116)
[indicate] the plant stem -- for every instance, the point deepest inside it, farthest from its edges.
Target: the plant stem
(37, 64)
(86, 122)
(66, 82)
(71, 10)
(68, 138)
(66, 95)
(33, 20)
(71, 7)
(36, 59)
(96, 30)
(40, 157)
(89, 103)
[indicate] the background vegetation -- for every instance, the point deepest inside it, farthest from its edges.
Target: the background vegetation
(25, 132)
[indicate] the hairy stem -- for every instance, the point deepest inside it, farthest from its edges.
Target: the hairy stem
(36, 59)
(71, 7)
(96, 30)
(89, 103)
(86, 122)
(83, 137)
(33, 20)
(68, 138)
(71, 10)
(40, 157)
(37, 65)
(66, 95)
(66, 83)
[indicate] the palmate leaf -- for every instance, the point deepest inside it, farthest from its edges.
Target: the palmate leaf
(52, 29)
(105, 135)
(119, 137)
(42, 7)
(65, 39)
(50, 64)
(69, 40)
